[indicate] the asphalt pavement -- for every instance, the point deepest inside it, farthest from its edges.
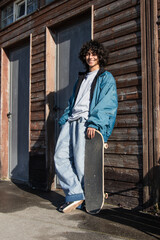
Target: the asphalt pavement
(27, 214)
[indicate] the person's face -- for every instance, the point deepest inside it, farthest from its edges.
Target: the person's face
(92, 60)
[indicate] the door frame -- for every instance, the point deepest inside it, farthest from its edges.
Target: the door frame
(5, 103)
(51, 86)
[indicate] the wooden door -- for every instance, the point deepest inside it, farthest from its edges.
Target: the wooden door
(19, 114)
(69, 41)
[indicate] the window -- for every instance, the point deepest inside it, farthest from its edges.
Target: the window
(20, 9)
(17, 10)
(25, 7)
(7, 15)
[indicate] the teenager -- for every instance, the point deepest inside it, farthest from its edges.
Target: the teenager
(93, 105)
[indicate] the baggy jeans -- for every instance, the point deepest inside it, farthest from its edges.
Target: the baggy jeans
(69, 159)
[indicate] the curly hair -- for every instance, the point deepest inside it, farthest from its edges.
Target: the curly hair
(96, 48)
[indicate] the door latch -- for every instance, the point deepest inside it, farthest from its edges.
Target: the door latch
(9, 115)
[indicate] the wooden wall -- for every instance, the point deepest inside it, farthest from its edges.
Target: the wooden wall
(117, 25)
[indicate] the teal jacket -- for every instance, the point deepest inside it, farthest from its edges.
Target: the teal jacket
(103, 106)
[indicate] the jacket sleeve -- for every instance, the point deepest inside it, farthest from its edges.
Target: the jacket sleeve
(66, 113)
(103, 115)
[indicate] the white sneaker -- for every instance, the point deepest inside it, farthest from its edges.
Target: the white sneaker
(70, 206)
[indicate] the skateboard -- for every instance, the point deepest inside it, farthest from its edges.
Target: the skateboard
(94, 173)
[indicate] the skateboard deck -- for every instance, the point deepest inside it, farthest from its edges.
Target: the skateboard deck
(94, 174)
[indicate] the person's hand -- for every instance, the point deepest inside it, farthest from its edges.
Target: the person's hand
(90, 133)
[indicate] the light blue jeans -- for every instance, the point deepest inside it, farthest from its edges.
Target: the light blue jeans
(69, 159)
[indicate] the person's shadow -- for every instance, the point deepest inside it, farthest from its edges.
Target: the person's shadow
(152, 182)
(41, 167)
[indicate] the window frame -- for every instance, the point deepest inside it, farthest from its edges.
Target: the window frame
(16, 7)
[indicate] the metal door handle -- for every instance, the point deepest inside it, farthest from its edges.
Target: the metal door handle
(9, 115)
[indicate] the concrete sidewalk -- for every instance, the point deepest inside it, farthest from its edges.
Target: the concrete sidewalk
(30, 215)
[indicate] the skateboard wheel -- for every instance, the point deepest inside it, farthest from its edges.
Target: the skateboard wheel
(105, 145)
(106, 195)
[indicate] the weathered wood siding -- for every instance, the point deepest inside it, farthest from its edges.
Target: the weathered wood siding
(117, 26)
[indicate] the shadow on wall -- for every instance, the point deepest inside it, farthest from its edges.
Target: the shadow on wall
(152, 181)
(41, 166)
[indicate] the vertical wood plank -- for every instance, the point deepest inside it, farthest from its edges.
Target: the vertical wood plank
(144, 99)
(30, 74)
(150, 86)
(49, 115)
(155, 76)
(4, 111)
(92, 21)
(155, 79)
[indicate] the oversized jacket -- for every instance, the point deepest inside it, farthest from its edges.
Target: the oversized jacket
(103, 105)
